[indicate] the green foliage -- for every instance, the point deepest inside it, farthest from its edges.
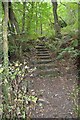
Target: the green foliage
(38, 16)
(75, 95)
(70, 49)
(17, 89)
(36, 13)
(1, 49)
(40, 13)
(71, 52)
(1, 69)
(56, 45)
(74, 43)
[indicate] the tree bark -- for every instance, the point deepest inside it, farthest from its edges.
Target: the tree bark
(36, 17)
(12, 18)
(78, 58)
(56, 22)
(79, 43)
(5, 33)
(23, 19)
(30, 18)
(41, 25)
(5, 51)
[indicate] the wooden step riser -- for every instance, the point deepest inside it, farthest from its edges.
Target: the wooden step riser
(44, 67)
(43, 55)
(44, 62)
(44, 58)
(41, 45)
(48, 73)
(42, 52)
(41, 49)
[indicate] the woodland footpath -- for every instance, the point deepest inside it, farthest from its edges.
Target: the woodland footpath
(39, 60)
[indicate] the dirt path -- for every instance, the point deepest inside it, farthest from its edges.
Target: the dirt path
(54, 91)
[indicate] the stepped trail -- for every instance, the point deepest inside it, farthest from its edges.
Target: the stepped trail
(44, 62)
(52, 87)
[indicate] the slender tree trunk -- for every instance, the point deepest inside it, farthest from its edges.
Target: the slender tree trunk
(41, 29)
(78, 59)
(30, 18)
(12, 19)
(23, 19)
(56, 23)
(79, 42)
(5, 51)
(5, 39)
(36, 17)
(41, 20)
(14, 25)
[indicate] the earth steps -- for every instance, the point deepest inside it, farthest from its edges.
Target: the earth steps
(44, 63)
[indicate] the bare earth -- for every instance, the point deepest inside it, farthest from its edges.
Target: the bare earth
(54, 93)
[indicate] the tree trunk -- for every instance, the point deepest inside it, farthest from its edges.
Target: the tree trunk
(23, 19)
(5, 51)
(30, 18)
(5, 39)
(56, 22)
(36, 18)
(79, 42)
(78, 59)
(41, 20)
(12, 19)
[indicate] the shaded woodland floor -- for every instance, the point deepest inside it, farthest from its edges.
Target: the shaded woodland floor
(38, 66)
(53, 82)
(48, 85)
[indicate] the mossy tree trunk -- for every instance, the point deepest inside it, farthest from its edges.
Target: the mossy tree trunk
(36, 17)
(5, 62)
(12, 24)
(5, 38)
(41, 25)
(78, 58)
(12, 19)
(23, 18)
(56, 22)
(79, 42)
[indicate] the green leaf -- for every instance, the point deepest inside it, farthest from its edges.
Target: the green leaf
(75, 43)
(1, 70)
